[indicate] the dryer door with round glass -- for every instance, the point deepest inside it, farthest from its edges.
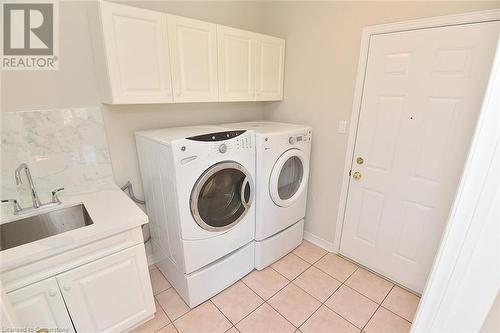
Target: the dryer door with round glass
(289, 177)
(222, 196)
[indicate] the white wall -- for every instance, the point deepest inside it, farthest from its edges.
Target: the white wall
(75, 85)
(322, 50)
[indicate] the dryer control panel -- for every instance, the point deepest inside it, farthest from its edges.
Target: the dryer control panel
(299, 138)
(295, 139)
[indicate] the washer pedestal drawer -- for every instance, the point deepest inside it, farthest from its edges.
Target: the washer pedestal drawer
(199, 286)
(273, 248)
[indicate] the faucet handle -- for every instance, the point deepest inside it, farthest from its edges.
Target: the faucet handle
(17, 206)
(55, 198)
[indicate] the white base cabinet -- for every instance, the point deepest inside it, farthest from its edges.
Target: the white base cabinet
(144, 56)
(111, 294)
(41, 306)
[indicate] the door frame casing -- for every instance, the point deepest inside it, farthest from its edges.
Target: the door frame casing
(368, 31)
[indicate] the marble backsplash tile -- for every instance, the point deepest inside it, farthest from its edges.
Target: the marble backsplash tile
(63, 148)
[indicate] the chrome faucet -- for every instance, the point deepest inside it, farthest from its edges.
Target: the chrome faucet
(34, 196)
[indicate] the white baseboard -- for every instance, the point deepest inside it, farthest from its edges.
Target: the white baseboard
(319, 241)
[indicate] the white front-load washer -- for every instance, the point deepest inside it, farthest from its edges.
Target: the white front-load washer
(199, 190)
(282, 167)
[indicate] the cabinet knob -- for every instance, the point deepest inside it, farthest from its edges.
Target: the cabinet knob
(52, 292)
(67, 287)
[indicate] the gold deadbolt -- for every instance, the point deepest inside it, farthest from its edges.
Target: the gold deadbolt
(357, 175)
(360, 160)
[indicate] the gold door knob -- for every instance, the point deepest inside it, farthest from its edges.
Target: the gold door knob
(360, 160)
(357, 175)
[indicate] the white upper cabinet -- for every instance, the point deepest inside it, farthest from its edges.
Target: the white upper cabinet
(41, 305)
(193, 50)
(135, 45)
(236, 51)
(270, 62)
(145, 56)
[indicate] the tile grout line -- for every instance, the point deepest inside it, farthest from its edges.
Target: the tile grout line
(288, 283)
(344, 283)
(157, 301)
(249, 314)
(380, 275)
(310, 265)
(264, 300)
(394, 313)
(380, 305)
(230, 322)
(323, 303)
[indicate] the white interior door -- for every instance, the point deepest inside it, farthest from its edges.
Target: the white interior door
(137, 54)
(422, 95)
(193, 50)
(270, 65)
(236, 52)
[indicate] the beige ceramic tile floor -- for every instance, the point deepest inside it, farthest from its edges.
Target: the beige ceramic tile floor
(309, 290)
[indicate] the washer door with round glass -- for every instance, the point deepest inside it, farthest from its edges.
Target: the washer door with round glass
(288, 178)
(222, 196)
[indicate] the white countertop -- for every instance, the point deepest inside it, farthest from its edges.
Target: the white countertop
(112, 212)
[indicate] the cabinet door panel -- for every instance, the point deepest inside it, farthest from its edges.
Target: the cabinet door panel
(270, 61)
(136, 49)
(111, 294)
(193, 50)
(236, 52)
(41, 305)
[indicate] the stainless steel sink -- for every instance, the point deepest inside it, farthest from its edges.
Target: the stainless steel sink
(33, 228)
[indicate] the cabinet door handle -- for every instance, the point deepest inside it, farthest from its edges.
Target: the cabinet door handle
(52, 292)
(67, 287)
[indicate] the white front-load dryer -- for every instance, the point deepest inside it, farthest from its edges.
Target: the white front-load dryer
(282, 170)
(199, 190)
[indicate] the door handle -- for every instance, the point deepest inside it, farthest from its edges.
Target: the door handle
(357, 175)
(242, 193)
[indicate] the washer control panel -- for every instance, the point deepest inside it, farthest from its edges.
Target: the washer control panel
(242, 142)
(218, 136)
(222, 148)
